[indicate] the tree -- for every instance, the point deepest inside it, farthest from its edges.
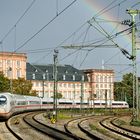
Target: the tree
(58, 95)
(23, 87)
(4, 83)
(124, 89)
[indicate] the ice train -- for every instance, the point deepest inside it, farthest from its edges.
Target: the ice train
(13, 103)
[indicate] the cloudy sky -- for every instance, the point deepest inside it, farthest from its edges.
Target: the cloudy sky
(37, 27)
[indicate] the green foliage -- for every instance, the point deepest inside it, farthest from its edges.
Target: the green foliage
(124, 90)
(23, 87)
(58, 95)
(4, 83)
(19, 86)
(120, 122)
(135, 123)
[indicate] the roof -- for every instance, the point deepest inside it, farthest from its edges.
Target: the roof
(98, 70)
(45, 72)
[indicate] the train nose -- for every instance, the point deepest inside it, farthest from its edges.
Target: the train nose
(2, 111)
(4, 114)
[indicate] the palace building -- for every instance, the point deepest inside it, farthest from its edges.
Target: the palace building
(73, 84)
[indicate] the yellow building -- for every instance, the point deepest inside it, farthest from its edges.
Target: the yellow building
(74, 84)
(13, 65)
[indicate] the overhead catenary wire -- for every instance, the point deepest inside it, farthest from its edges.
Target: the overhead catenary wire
(20, 18)
(34, 35)
(96, 15)
(106, 9)
(135, 4)
(96, 45)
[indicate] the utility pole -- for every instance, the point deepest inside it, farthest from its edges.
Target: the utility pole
(55, 84)
(11, 79)
(81, 102)
(133, 13)
(43, 85)
(106, 99)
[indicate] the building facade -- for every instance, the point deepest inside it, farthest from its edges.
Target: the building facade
(73, 84)
(101, 83)
(13, 65)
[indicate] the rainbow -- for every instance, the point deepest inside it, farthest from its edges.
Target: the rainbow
(95, 7)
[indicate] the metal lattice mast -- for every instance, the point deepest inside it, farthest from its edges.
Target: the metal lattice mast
(133, 13)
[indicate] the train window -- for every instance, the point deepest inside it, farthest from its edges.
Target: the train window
(3, 100)
(21, 103)
(34, 102)
(65, 103)
(117, 104)
(47, 102)
(96, 103)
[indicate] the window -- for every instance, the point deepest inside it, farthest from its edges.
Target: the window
(37, 84)
(33, 76)
(18, 73)
(105, 78)
(44, 76)
(97, 79)
(3, 100)
(64, 77)
(8, 62)
(101, 78)
(101, 86)
(73, 77)
(18, 63)
(8, 73)
(0, 63)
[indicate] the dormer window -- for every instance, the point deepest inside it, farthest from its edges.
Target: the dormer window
(66, 72)
(83, 78)
(64, 77)
(33, 76)
(44, 76)
(73, 77)
(36, 70)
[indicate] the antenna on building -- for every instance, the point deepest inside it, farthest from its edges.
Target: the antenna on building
(103, 64)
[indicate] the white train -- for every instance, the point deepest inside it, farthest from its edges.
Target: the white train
(13, 103)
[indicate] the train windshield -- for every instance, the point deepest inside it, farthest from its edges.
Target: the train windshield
(3, 100)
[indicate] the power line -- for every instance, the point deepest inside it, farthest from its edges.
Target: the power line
(45, 26)
(18, 21)
(99, 13)
(102, 11)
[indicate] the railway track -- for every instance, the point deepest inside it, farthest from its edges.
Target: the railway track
(12, 131)
(109, 124)
(5, 134)
(21, 130)
(75, 127)
(47, 130)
